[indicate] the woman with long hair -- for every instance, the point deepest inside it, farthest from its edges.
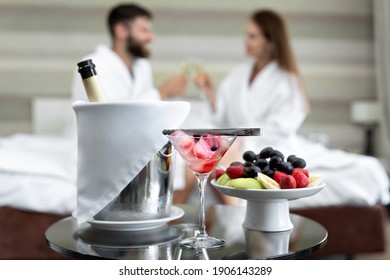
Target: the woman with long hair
(268, 92)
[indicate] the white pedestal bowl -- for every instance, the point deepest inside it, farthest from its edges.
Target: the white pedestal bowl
(268, 209)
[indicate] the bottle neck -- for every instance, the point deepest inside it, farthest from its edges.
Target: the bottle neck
(93, 89)
(91, 82)
(87, 69)
(87, 73)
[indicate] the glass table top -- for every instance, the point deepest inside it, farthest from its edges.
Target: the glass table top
(87, 242)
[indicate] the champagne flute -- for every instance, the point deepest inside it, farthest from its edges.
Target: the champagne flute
(193, 70)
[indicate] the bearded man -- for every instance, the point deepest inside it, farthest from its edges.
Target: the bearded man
(124, 69)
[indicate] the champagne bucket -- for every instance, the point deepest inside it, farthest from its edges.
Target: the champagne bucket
(149, 195)
(125, 163)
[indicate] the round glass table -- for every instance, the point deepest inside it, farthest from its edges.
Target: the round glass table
(88, 242)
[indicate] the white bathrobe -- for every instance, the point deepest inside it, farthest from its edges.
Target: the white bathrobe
(274, 102)
(117, 81)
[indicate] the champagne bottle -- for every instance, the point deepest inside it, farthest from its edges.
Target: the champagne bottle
(91, 81)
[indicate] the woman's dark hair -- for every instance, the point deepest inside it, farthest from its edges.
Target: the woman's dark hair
(123, 13)
(275, 31)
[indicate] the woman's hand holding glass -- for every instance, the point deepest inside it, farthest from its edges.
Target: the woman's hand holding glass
(204, 83)
(194, 71)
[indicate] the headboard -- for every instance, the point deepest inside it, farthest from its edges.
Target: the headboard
(53, 116)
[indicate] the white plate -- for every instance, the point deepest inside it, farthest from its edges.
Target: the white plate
(176, 213)
(266, 194)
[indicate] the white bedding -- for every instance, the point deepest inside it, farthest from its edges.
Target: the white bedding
(38, 173)
(37, 193)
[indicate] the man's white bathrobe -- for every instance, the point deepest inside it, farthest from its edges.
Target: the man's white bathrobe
(117, 81)
(275, 103)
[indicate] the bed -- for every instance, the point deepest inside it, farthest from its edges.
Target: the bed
(32, 197)
(41, 189)
(352, 230)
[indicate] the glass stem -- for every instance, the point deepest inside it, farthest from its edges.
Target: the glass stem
(202, 179)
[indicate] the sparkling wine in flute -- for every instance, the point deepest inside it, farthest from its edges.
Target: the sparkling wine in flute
(191, 69)
(91, 81)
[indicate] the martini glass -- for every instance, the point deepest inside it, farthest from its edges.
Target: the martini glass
(201, 152)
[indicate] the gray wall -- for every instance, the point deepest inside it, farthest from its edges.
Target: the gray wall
(41, 40)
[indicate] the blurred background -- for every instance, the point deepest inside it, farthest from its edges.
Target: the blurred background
(342, 48)
(42, 40)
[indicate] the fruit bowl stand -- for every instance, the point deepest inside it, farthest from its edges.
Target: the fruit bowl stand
(268, 209)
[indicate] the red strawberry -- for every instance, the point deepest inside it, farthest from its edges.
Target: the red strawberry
(218, 173)
(186, 142)
(223, 144)
(300, 178)
(211, 140)
(278, 175)
(204, 166)
(202, 150)
(235, 171)
(288, 182)
(304, 171)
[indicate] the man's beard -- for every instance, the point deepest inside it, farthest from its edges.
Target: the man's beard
(136, 49)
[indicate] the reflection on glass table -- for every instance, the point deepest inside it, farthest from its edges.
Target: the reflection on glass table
(162, 243)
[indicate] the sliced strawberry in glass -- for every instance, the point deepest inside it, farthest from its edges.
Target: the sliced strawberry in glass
(186, 142)
(205, 166)
(202, 149)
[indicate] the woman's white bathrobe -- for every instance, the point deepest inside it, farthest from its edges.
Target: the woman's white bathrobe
(275, 103)
(117, 81)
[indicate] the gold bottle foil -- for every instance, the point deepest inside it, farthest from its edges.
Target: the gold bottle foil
(94, 89)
